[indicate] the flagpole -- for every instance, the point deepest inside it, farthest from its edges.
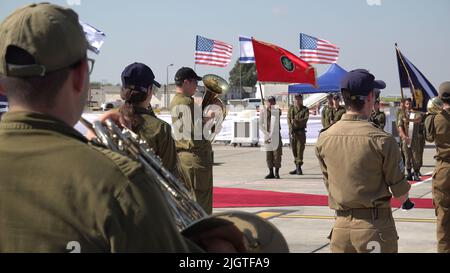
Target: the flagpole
(407, 73)
(240, 76)
(407, 132)
(261, 93)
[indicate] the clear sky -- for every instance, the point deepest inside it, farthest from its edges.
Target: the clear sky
(162, 32)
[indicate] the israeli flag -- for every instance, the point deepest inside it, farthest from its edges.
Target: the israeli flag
(95, 37)
(247, 56)
(3, 105)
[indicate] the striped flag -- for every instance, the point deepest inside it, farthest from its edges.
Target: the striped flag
(95, 37)
(3, 104)
(212, 52)
(317, 51)
(247, 55)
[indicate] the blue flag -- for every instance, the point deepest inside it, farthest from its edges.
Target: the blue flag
(410, 77)
(3, 105)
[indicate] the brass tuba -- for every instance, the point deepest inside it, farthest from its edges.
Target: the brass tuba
(215, 87)
(435, 105)
(259, 234)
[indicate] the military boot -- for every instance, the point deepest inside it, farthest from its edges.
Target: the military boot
(277, 173)
(416, 176)
(299, 170)
(270, 175)
(409, 177)
(294, 171)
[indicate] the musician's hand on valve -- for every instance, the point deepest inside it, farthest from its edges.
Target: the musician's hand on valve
(113, 115)
(117, 117)
(221, 239)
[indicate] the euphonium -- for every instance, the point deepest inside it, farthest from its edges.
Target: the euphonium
(259, 234)
(215, 87)
(435, 105)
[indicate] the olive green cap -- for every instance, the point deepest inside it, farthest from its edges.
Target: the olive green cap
(50, 33)
(444, 90)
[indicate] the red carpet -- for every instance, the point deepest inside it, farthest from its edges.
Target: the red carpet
(233, 197)
(423, 177)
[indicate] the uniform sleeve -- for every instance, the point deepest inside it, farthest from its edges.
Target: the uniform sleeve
(400, 122)
(382, 121)
(430, 131)
(289, 117)
(323, 116)
(139, 220)
(304, 120)
(322, 164)
(167, 150)
(393, 167)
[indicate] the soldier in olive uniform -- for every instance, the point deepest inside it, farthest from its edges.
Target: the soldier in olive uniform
(412, 145)
(418, 142)
(270, 124)
(362, 169)
(297, 119)
(338, 109)
(58, 192)
(378, 117)
(438, 131)
(138, 82)
(327, 112)
(194, 151)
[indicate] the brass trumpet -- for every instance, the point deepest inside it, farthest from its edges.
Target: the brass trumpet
(215, 87)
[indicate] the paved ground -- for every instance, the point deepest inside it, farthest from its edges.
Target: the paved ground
(306, 228)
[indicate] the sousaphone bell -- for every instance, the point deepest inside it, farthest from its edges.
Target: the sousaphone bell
(215, 87)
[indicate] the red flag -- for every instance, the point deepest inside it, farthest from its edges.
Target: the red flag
(275, 64)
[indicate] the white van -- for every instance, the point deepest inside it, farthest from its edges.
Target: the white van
(111, 105)
(252, 103)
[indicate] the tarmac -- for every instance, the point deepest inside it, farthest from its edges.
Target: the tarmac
(306, 228)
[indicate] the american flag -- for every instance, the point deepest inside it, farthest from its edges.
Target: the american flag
(318, 51)
(212, 52)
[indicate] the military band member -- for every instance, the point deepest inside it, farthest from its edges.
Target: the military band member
(362, 169)
(297, 118)
(338, 109)
(327, 112)
(438, 131)
(270, 123)
(378, 117)
(138, 84)
(58, 192)
(194, 150)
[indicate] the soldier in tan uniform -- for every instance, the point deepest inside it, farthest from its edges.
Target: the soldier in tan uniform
(362, 169)
(138, 82)
(194, 151)
(438, 131)
(297, 118)
(338, 110)
(58, 192)
(378, 117)
(327, 112)
(412, 145)
(270, 124)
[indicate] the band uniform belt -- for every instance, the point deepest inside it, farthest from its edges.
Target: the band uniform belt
(368, 213)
